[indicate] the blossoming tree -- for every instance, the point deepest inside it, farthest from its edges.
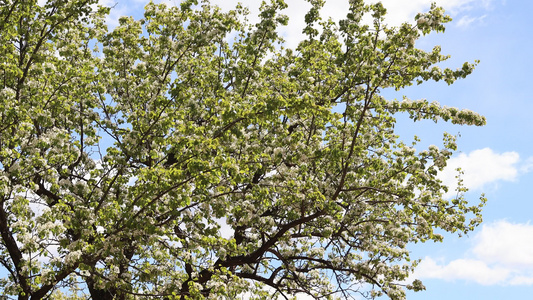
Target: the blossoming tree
(124, 152)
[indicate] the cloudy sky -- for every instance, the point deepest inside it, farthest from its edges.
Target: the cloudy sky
(496, 261)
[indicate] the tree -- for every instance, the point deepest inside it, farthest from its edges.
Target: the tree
(123, 153)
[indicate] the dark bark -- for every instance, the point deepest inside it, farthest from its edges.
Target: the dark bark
(99, 294)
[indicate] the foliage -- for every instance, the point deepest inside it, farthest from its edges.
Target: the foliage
(125, 153)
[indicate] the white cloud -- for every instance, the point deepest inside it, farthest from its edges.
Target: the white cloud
(521, 280)
(466, 21)
(481, 167)
(399, 11)
(502, 255)
(462, 269)
(506, 243)
(527, 166)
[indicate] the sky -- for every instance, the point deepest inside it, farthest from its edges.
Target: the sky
(496, 260)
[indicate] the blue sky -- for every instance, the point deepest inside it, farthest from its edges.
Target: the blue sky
(495, 261)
